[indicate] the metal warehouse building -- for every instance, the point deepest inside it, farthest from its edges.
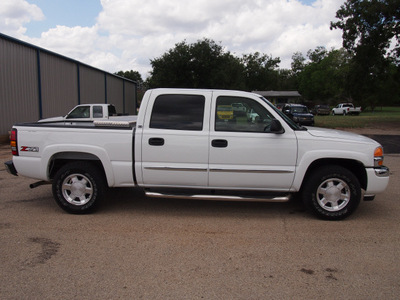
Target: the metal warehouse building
(36, 83)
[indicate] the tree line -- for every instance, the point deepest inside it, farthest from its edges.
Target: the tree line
(366, 70)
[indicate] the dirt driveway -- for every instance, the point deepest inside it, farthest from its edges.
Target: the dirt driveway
(140, 248)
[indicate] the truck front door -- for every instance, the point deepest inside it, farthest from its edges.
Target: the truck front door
(244, 154)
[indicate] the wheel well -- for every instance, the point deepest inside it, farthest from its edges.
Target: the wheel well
(356, 167)
(60, 159)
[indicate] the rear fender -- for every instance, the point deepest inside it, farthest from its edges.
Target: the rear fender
(72, 152)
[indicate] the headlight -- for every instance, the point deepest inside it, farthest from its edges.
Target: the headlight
(378, 157)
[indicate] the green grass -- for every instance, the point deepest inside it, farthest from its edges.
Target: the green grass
(381, 117)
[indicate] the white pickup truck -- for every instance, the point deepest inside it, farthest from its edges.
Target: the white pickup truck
(346, 109)
(181, 145)
(85, 112)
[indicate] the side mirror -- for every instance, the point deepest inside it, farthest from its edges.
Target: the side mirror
(276, 127)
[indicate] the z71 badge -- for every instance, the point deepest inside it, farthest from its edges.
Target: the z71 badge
(29, 149)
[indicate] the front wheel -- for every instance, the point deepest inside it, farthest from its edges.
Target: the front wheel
(332, 193)
(78, 187)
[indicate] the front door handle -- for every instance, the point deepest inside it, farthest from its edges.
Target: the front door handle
(219, 143)
(156, 141)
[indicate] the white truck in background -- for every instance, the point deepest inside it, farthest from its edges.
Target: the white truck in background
(86, 112)
(181, 145)
(346, 109)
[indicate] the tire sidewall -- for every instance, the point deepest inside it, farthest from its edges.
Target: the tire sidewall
(310, 192)
(87, 170)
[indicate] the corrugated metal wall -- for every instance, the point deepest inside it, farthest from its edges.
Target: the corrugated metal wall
(92, 86)
(130, 92)
(36, 83)
(115, 93)
(18, 85)
(59, 85)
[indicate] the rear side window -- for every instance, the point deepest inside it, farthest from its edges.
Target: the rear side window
(97, 111)
(178, 112)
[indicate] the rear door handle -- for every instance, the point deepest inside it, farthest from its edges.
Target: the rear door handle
(156, 141)
(219, 143)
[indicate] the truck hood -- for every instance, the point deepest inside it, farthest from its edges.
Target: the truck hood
(338, 134)
(307, 115)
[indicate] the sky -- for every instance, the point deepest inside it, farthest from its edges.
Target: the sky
(115, 35)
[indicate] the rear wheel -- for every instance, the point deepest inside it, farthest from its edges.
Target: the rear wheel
(78, 187)
(332, 193)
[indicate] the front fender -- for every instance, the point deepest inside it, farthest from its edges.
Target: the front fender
(327, 156)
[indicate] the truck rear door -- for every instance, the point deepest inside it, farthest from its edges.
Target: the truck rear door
(175, 139)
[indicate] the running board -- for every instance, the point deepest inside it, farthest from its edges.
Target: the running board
(275, 198)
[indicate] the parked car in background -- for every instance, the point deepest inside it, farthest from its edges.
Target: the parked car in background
(321, 109)
(239, 107)
(299, 113)
(346, 109)
(280, 106)
(225, 112)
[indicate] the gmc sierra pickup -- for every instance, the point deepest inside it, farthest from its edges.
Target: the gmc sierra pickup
(182, 144)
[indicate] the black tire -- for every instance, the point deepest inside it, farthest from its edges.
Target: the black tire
(78, 187)
(332, 193)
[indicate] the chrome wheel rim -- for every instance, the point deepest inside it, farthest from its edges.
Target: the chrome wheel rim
(77, 189)
(333, 194)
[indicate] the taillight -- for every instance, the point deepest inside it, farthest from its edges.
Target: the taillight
(13, 142)
(378, 157)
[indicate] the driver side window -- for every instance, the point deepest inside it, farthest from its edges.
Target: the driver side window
(238, 114)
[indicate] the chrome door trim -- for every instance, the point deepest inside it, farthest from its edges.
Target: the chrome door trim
(176, 169)
(251, 171)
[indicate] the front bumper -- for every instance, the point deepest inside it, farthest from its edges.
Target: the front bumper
(11, 168)
(382, 171)
(378, 180)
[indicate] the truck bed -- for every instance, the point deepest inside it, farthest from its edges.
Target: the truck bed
(121, 122)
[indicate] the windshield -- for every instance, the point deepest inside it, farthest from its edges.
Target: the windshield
(79, 112)
(300, 109)
(292, 124)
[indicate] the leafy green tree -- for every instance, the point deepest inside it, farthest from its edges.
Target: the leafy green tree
(287, 80)
(260, 71)
(324, 78)
(370, 29)
(298, 62)
(132, 75)
(204, 64)
(317, 55)
(370, 24)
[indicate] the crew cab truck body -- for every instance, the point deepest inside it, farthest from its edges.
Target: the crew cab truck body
(182, 146)
(346, 109)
